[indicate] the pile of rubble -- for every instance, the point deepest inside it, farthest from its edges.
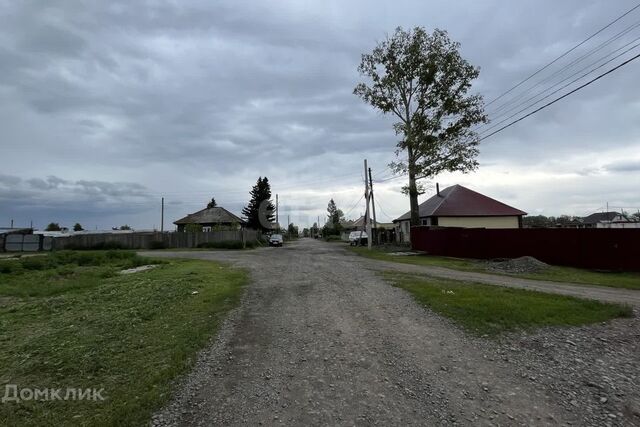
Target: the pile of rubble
(525, 264)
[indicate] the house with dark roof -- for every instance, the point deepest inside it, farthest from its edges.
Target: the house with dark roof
(608, 220)
(458, 206)
(210, 218)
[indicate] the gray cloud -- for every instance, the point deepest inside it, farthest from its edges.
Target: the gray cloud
(624, 166)
(129, 101)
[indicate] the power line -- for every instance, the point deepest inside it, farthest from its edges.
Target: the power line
(563, 55)
(565, 68)
(561, 88)
(354, 206)
(382, 210)
(561, 97)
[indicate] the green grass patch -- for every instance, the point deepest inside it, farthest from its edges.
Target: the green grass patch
(69, 320)
(488, 309)
(626, 280)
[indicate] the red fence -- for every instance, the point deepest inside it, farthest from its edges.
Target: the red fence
(610, 249)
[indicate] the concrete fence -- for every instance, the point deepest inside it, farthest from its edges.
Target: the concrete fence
(143, 240)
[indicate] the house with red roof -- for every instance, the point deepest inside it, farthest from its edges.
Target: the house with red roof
(458, 206)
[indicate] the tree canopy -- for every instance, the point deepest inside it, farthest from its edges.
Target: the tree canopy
(77, 227)
(334, 216)
(53, 226)
(212, 203)
(422, 80)
(260, 210)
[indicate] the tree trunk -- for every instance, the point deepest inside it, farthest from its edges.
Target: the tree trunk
(413, 189)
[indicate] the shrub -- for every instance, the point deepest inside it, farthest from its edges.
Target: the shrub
(35, 263)
(332, 238)
(8, 267)
(108, 245)
(116, 254)
(86, 259)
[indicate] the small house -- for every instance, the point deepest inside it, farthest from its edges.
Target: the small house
(211, 218)
(608, 220)
(458, 206)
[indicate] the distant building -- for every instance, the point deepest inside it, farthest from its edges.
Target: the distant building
(608, 220)
(210, 218)
(458, 206)
(359, 225)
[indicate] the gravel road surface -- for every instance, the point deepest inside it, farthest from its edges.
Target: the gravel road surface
(321, 339)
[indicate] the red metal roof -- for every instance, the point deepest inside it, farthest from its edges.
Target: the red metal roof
(460, 201)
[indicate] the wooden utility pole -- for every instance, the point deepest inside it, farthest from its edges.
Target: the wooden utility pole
(373, 207)
(162, 217)
(277, 222)
(367, 222)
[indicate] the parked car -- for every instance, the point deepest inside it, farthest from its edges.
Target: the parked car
(358, 238)
(276, 240)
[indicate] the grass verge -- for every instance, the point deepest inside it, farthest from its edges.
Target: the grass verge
(626, 280)
(74, 322)
(488, 309)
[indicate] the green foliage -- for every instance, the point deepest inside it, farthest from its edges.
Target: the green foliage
(260, 210)
(541, 221)
(193, 228)
(487, 309)
(53, 226)
(97, 246)
(212, 203)
(334, 216)
(292, 230)
(77, 227)
(125, 227)
(422, 80)
(20, 277)
(132, 335)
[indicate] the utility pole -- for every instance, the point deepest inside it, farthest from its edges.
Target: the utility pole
(367, 222)
(277, 222)
(373, 206)
(12, 223)
(162, 217)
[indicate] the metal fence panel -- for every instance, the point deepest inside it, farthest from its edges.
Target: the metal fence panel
(13, 242)
(31, 243)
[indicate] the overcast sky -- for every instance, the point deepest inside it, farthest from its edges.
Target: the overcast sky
(107, 106)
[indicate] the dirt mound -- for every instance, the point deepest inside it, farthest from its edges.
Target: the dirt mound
(525, 264)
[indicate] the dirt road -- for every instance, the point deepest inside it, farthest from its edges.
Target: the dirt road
(319, 340)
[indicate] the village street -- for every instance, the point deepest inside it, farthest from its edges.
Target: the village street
(321, 339)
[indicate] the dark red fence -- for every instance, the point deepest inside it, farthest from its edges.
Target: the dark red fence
(610, 249)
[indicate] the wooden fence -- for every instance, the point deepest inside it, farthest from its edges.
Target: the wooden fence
(608, 249)
(152, 240)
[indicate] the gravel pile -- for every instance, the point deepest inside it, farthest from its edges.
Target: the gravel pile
(525, 264)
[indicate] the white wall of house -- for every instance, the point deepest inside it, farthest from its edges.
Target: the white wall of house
(618, 225)
(479, 221)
